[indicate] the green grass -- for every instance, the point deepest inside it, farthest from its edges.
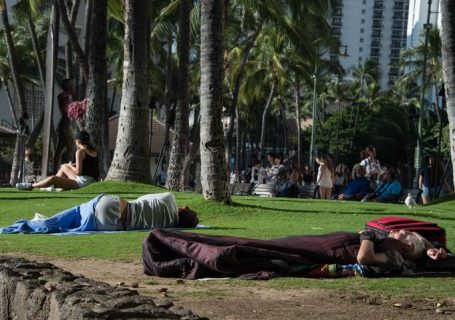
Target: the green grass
(253, 217)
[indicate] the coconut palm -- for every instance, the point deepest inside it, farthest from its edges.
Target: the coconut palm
(131, 155)
(448, 63)
(21, 106)
(213, 165)
(412, 60)
(182, 110)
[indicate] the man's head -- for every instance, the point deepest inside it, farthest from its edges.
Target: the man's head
(187, 218)
(413, 245)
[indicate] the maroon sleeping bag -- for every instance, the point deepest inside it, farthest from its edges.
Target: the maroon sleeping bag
(429, 230)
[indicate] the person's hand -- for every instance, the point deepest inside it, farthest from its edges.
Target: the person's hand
(341, 196)
(437, 254)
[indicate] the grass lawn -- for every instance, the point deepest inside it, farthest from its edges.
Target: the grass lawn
(253, 217)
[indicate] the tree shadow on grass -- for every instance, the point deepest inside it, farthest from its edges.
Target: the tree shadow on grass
(416, 215)
(251, 206)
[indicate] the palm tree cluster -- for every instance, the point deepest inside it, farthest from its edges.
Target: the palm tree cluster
(250, 62)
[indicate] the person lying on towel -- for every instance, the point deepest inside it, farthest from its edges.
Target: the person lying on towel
(110, 213)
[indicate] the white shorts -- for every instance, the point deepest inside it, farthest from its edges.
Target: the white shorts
(83, 181)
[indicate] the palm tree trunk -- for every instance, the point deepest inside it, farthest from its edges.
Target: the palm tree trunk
(97, 109)
(22, 108)
(264, 113)
(193, 152)
(181, 126)
(235, 93)
(213, 163)
(297, 116)
(10, 103)
(131, 155)
(448, 66)
(71, 33)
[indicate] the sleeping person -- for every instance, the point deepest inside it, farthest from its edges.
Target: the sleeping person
(198, 256)
(111, 213)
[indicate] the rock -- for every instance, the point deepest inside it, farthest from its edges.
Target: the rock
(163, 303)
(440, 311)
(135, 285)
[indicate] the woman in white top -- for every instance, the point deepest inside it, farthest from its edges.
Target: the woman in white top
(372, 166)
(325, 176)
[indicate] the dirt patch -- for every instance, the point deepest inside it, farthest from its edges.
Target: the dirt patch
(219, 299)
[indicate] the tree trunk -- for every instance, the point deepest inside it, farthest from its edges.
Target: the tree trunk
(10, 103)
(96, 117)
(181, 126)
(71, 34)
(448, 64)
(297, 116)
(22, 108)
(264, 113)
(131, 155)
(233, 113)
(193, 152)
(213, 165)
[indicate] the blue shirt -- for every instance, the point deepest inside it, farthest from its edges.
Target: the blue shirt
(356, 186)
(387, 189)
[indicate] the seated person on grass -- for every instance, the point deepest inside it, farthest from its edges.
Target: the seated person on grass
(388, 190)
(72, 176)
(357, 188)
(111, 213)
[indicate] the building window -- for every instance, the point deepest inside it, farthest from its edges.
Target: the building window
(364, 1)
(363, 11)
(361, 40)
(362, 21)
(361, 49)
(360, 59)
(362, 30)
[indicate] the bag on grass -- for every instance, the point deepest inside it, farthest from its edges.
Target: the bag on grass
(429, 230)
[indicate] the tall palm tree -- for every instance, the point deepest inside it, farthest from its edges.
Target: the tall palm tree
(21, 106)
(131, 155)
(448, 63)
(413, 60)
(181, 119)
(213, 165)
(97, 109)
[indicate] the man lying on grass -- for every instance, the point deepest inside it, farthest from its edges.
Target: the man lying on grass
(111, 213)
(188, 255)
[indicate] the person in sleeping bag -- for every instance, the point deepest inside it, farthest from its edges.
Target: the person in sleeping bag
(111, 213)
(411, 246)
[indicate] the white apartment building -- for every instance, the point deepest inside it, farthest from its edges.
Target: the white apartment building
(371, 30)
(418, 16)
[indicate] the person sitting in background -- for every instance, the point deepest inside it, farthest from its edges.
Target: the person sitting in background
(388, 190)
(283, 186)
(295, 175)
(357, 188)
(308, 175)
(337, 185)
(111, 213)
(69, 177)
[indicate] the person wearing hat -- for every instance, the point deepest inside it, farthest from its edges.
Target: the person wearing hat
(72, 176)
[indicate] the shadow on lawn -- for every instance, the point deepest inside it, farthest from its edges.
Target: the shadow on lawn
(416, 215)
(243, 205)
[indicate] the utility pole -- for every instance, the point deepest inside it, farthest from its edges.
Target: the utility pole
(419, 148)
(313, 115)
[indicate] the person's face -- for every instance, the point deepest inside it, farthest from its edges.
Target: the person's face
(277, 161)
(372, 152)
(398, 235)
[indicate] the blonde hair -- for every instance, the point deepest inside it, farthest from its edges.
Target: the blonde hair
(417, 245)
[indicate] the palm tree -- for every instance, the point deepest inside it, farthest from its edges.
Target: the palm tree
(413, 60)
(181, 120)
(97, 109)
(213, 165)
(448, 63)
(22, 107)
(131, 155)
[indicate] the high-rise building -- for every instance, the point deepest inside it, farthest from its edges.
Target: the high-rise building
(371, 30)
(418, 17)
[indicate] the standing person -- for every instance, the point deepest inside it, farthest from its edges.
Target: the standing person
(65, 134)
(372, 166)
(428, 182)
(296, 174)
(325, 176)
(70, 176)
